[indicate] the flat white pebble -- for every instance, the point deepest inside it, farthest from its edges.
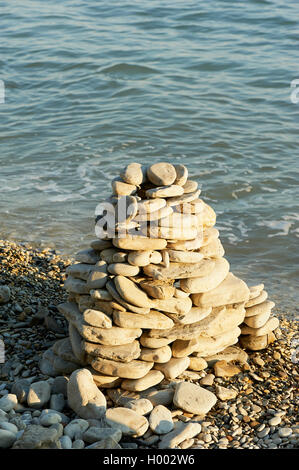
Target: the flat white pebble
(275, 421)
(284, 432)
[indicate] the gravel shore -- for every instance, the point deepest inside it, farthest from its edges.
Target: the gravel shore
(263, 413)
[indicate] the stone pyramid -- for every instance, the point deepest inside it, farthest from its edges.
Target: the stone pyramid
(154, 294)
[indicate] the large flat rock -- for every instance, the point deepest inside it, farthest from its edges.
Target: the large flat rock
(209, 281)
(180, 270)
(193, 399)
(231, 290)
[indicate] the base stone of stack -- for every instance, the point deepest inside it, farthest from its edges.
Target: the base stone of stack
(153, 377)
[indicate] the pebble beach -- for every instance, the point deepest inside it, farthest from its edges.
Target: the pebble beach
(256, 406)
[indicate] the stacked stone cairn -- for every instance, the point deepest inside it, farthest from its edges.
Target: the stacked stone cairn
(153, 299)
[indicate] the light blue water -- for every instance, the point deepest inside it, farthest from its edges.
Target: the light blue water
(92, 85)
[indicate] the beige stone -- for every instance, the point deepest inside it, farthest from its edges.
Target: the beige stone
(96, 318)
(229, 354)
(100, 294)
(150, 205)
(80, 270)
(160, 420)
(231, 290)
(220, 320)
(153, 319)
(165, 191)
(255, 291)
(193, 399)
(132, 174)
(181, 433)
(190, 186)
(131, 308)
(108, 254)
(159, 397)
(194, 315)
(77, 344)
(63, 349)
(158, 289)
(104, 381)
(128, 421)
(197, 363)
(183, 348)
(174, 367)
(225, 393)
(142, 406)
(110, 336)
(208, 216)
(184, 256)
(84, 397)
(181, 174)
(102, 306)
(154, 343)
(225, 369)
(89, 256)
(178, 220)
(71, 312)
(161, 174)
(153, 377)
(143, 258)
(159, 355)
(122, 189)
(259, 309)
(125, 210)
(173, 233)
(154, 216)
(175, 201)
(181, 270)
(187, 245)
(209, 234)
(256, 343)
(260, 298)
(129, 370)
(76, 286)
(139, 243)
(120, 353)
(208, 346)
(173, 305)
(205, 283)
(123, 269)
(180, 294)
(98, 276)
(213, 250)
(269, 326)
(165, 259)
(194, 208)
(100, 245)
(120, 257)
(257, 321)
(96, 280)
(131, 293)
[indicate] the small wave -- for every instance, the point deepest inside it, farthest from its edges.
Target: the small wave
(65, 197)
(247, 189)
(128, 69)
(127, 92)
(277, 225)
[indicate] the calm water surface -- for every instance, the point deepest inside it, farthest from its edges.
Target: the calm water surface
(93, 85)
